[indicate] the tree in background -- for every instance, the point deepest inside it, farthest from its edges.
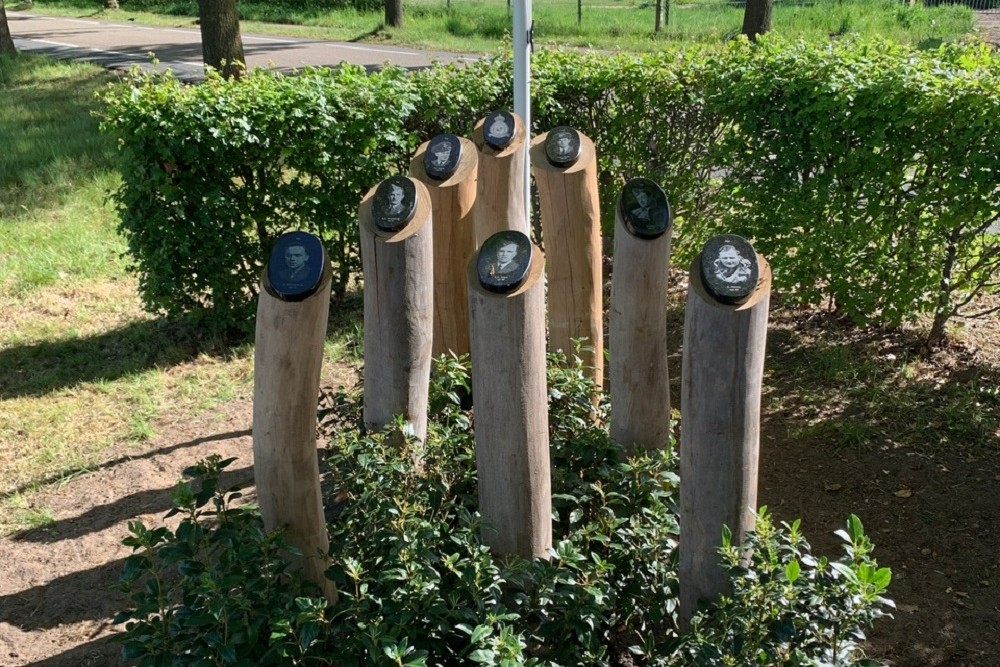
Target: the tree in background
(6, 41)
(394, 13)
(221, 44)
(757, 18)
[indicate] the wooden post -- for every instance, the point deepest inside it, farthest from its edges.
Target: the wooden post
(499, 185)
(640, 383)
(288, 353)
(399, 272)
(571, 233)
(512, 423)
(452, 203)
(721, 374)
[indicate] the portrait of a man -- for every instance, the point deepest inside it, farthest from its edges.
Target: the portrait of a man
(296, 264)
(504, 260)
(441, 152)
(396, 195)
(562, 146)
(644, 208)
(730, 266)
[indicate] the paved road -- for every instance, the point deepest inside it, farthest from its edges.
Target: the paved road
(123, 44)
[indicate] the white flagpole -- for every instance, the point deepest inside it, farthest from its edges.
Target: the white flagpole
(522, 87)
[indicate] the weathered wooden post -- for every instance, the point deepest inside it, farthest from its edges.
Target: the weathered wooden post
(397, 260)
(507, 308)
(640, 383)
(725, 329)
(565, 166)
(447, 165)
(291, 327)
(499, 197)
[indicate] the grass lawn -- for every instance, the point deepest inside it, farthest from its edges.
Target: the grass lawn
(82, 368)
(464, 25)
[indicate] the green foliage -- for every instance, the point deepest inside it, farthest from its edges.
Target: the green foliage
(866, 173)
(215, 591)
(213, 174)
(418, 587)
(788, 607)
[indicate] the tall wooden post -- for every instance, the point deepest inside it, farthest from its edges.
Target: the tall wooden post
(640, 382)
(499, 196)
(721, 375)
(399, 272)
(571, 233)
(512, 429)
(288, 353)
(452, 202)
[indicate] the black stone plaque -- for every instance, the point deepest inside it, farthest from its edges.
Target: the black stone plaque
(644, 208)
(504, 260)
(394, 203)
(442, 156)
(498, 130)
(295, 269)
(729, 269)
(562, 146)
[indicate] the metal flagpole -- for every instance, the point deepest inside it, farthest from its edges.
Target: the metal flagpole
(523, 28)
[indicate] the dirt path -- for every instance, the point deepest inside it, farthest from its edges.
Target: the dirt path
(989, 26)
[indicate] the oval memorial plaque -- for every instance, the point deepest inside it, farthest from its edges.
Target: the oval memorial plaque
(644, 208)
(394, 203)
(442, 156)
(295, 269)
(498, 130)
(729, 268)
(504, 260)
(562, 146)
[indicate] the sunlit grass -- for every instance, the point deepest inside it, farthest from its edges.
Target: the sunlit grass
(482, 26)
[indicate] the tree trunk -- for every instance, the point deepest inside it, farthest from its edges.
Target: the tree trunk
(757, 18)
(221, 44)
(394, 13)
(659, 16)
(6, 41)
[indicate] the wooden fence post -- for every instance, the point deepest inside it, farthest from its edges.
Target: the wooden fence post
(292, 313)
(499, 189)
(397, 260)
(640, 382)
(564, 163)
(452, 201)
(725, 330)
(512, 431)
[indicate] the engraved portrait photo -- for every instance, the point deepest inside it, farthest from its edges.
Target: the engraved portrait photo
(394, 203)
(296, 264)
(295, 267)
(562, 146)
(504, 259)
(729, 270)
(644, 208)
(730, 266)
(442, 156)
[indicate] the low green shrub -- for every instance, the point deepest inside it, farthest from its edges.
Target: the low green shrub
(865, 172)
(212, 174)
(418, 587)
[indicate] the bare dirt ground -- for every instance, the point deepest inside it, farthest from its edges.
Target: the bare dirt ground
(989, 26)
(931, 511)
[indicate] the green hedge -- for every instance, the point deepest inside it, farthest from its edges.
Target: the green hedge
(867, 173)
